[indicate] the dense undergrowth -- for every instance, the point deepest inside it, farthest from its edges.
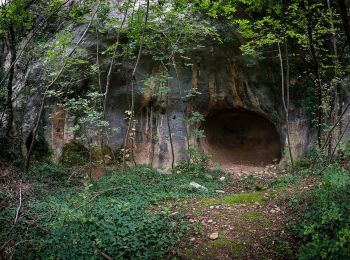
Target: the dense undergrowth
(64, 216)
(111, 217)
(323, 223)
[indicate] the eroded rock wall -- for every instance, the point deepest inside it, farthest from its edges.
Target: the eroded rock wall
(226, 83)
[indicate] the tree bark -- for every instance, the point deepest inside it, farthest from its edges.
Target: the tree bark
(132, 87)
(9, 107)
(335, 104)
(41, 109)
(318, 86)
(288, 103)
(345, 19)
(285, 105)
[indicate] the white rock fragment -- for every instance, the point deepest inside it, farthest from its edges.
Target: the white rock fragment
(198, 186)
(214, 236)
(222, 178)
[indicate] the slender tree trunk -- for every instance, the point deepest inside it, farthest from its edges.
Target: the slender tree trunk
(90, 154)
(151, 132)
(285, 105)
(182, 107)
(105, 92)
(318, 85)
(336, 104)
(41, 109)
(345, 19)
(9, 106)
(131, 119)
(334, 39)
(339, 140)
(101, 91)
(288, 102)
(346, 26)
(110, 70)
(170, 135)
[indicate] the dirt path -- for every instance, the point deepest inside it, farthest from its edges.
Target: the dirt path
(245, 221)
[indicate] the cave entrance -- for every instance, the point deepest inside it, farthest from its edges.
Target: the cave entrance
(240, 138)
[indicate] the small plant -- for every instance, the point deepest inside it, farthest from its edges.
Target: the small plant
(199, 163)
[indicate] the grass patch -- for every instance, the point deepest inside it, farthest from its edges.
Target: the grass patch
(257, 219)
(235, 247)
(242, 198)
(287, 180)
(213, 249)
(252, 216)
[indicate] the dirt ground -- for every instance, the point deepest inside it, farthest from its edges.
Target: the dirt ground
(247, 220)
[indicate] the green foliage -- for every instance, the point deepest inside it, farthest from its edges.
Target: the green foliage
(178, 32)
(157, 84)
(198, 164)
(324, 226)
(286, 180)
(116, 216)
(343, 152)
(15, 14)
(74, 154)
(195, 118)
(8, 153)
(46, 174)
(215, 9)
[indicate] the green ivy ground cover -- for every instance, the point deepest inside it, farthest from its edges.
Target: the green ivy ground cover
(111, 217)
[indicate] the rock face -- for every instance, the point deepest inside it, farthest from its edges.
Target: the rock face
(241, 104)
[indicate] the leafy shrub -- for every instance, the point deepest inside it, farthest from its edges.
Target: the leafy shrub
(49, 173)
(74, 154)
(324, 226)
(8, 152)
(286, 180)
(343, 154)
(199, 162)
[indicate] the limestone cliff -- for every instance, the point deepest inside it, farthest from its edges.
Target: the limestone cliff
(244, 123)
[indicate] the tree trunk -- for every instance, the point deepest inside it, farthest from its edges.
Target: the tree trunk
(48, 87)
(345, 19)
(133, 81)
(336, 104)
(288, 103)
(170, 134)
(9, 107)
(285, 106)
(318, 86)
